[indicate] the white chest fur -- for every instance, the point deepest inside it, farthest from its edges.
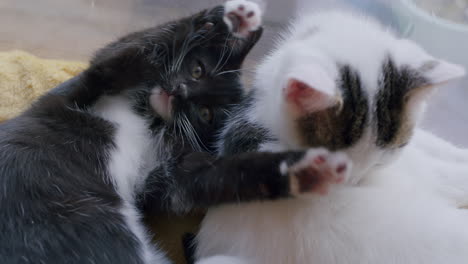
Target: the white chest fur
(132, 157)
(129, 164)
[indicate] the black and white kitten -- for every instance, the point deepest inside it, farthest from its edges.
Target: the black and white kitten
(74, 166)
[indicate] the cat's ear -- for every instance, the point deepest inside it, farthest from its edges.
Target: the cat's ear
(438, 72)
(310, 89)
(434, 71)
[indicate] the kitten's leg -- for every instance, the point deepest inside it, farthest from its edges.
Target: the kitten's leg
(242, 18)
(200, 180)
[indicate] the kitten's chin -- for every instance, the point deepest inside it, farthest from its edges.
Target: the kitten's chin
(161, 102)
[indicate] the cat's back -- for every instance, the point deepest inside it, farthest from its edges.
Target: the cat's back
(57, 206)
(349, 225)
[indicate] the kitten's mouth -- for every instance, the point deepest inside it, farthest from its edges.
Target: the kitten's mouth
(162, 103)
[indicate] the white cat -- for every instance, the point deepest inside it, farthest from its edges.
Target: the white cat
(343, 82)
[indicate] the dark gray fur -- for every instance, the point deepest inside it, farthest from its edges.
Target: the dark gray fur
(395, 86)
(58, 204)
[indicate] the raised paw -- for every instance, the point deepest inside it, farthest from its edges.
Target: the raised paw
(242, 17)
(316, 171)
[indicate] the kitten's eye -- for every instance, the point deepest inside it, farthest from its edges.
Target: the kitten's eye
(206, 114)
(197, 71)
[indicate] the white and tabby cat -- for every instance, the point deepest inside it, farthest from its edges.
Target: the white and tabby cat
(343, 82)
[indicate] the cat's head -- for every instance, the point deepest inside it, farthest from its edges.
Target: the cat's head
(186, 71)
(342, 82)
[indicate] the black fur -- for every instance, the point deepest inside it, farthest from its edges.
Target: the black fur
(202, 180)
(190, 247)
(242, 135)
(391, 100)
(58, 204)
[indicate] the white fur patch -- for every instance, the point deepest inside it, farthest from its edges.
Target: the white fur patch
(133, 155)
(129, 164)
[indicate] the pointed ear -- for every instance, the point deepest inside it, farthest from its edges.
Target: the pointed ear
(439, 72)
(310, 89)
(435, 73)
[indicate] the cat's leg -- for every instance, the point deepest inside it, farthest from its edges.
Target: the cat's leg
(199, 180)
(102, 77)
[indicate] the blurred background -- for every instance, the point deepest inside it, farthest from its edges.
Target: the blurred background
(74, 29)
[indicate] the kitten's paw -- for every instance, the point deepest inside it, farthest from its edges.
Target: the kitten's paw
(317, 170)
(242, 17)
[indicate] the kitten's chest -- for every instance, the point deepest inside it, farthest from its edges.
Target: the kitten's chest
(133, 154)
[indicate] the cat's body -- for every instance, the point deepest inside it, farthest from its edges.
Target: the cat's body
(342, 82)
(77, 164)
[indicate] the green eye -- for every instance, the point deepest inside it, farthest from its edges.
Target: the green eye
(206, 114)
(197, 71)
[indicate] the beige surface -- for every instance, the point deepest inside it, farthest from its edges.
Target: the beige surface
(72, 29)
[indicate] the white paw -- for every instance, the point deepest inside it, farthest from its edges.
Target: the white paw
(242, 17)
(317, 170)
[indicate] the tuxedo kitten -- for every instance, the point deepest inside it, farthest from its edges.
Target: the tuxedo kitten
(76, 164)
(343, 82)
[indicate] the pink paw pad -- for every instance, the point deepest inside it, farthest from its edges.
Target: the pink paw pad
(318, 169)
(242, 17)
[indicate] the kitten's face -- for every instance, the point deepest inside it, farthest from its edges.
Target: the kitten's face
(188, 71)
(358, 92)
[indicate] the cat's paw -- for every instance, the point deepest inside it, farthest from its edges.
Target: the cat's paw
(242, 17)
(316, 171)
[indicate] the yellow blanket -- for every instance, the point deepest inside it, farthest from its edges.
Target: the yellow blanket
(24, 77)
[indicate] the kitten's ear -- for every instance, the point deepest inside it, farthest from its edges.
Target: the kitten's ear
(310, 89)
(439, 72)
(434, 71)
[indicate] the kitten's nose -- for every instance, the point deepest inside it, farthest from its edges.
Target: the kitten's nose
(181, 89)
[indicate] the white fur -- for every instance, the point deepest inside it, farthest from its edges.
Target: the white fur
(242, 8)
(222, 260)
(405, 212)
(323, 41)
(130, 162)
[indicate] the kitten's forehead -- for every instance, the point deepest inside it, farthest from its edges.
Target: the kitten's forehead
(348, 39)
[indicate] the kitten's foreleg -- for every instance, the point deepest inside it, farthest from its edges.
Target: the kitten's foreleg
(201, 180)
